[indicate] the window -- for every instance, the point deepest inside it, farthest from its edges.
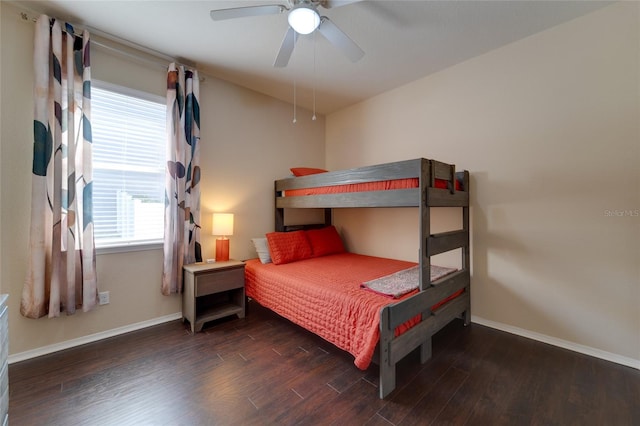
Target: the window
(129, 138)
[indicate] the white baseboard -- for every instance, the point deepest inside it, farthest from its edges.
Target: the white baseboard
(587, 350)
(22, 356)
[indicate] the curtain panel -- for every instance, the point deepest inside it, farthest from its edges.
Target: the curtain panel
(62, 266)
(182, 184)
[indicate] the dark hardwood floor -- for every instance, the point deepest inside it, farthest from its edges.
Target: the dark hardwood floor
(264, 370)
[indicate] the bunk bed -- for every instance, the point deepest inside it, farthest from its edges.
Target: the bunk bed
(409, 322)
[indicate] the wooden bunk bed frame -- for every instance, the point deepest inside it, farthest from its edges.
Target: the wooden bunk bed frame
(391, 348)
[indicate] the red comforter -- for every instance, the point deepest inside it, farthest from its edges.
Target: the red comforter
(323, 295)
(383, 185)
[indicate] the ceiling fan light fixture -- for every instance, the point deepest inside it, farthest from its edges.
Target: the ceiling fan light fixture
(304, 19)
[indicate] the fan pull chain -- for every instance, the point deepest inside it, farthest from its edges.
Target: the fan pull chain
(315, 75)
(295, 88)
(294, 100)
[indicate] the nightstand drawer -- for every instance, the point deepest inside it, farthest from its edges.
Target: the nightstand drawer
(218, 281)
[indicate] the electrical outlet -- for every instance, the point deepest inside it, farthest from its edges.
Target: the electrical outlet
(103, 298)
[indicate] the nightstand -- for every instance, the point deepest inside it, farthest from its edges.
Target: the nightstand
(212, 291)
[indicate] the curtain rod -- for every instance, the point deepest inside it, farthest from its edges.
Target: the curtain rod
(115, 44)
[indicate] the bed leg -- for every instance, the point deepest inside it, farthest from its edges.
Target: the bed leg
(466, 316)
(387, 379)
(387, 366)
(425, 351)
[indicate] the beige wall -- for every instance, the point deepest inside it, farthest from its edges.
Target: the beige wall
(248, 141)
(549, 129)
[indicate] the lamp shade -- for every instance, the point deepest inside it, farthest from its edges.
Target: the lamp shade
(303, 19)
(222, 224)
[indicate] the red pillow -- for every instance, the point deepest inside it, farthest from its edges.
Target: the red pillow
(287, 247)
(325, 241)
(304, 171)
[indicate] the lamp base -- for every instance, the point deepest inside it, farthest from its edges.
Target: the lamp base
(222, 249)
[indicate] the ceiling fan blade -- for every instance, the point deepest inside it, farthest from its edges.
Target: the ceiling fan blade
(241, 12)
(339, 39)
(286, 49)
(328, 4)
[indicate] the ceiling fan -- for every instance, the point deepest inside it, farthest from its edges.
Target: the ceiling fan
(304, 18)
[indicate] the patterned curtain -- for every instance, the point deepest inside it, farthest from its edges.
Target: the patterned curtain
(62, 265)
(182, 184)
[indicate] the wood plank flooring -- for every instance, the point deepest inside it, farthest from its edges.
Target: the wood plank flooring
(263, 370)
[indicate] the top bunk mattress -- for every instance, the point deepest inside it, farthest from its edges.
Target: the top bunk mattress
(383, 185)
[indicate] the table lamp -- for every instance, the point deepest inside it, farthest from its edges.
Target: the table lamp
(222, 225)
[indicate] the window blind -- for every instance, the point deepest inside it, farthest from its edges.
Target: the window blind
(129, 138)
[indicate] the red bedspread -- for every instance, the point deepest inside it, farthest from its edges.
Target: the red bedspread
(356, 187)
(382, 185)
(323, 295)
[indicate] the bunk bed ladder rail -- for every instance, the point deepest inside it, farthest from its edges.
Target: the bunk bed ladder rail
(393, 349)
(433, 244)
(430, 196)
(466, 250)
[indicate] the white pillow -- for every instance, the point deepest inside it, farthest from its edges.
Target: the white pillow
(262, 247)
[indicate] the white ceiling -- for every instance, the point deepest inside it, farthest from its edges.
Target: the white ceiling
(403, 40)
